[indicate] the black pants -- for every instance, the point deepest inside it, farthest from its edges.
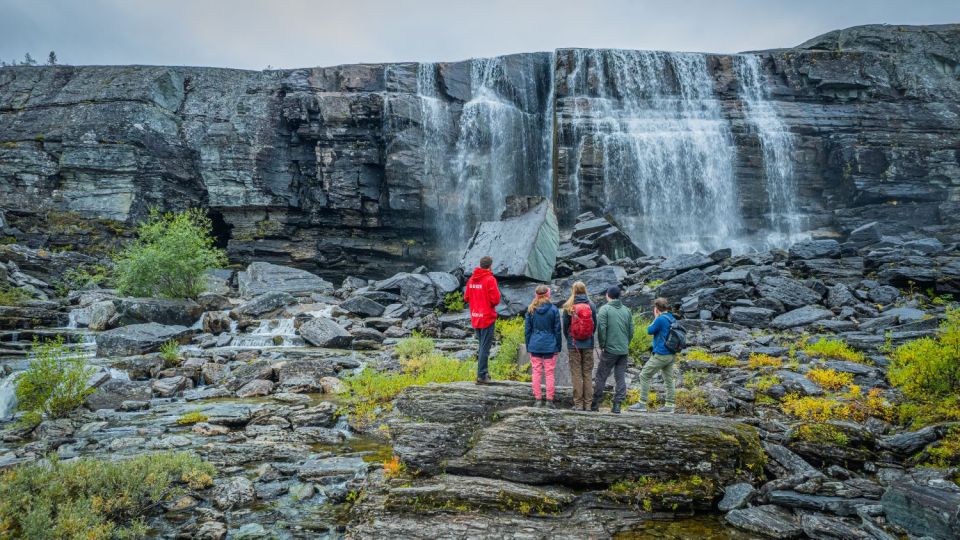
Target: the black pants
(485, 337)
(611, 362)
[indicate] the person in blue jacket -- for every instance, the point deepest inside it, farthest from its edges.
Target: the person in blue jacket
(662, 359)
(542, 335)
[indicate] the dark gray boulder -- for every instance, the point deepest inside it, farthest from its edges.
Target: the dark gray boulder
(412, 289)
(789, 292)
(264, 303)
(112, 394)
(815, 249)
(139, 339)
(866, 235)
(324, 332)
(183, 312)
(263, 277)
(444, 282)
(801, 316)
(910, 442)
(753, 317)
(597, 280)
(736, 496)
(522, 247)
(686, 261)
(769, 520)
(841, 506)
(683, 284)
(362, 306)
(924, 510)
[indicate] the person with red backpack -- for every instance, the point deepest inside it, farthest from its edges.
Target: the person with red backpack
(483, 295)
(579, 325)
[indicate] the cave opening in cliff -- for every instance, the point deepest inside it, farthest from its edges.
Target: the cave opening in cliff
(221, 229)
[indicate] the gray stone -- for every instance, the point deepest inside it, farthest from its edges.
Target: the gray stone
(753, 317)
(99, 314)
(113, 393)
(262, 277)
(815, 249)
(683, 284)
(171, 386)
(264, 303)
(801, 316)
(789, 292)
(256, 387)
(328, 471)
(736, 496)
(324, 332)
(363, 306)
(413, 289)
(139, 339)
(688, 261)
(234, 492)
(769, 520)
(924, 510)
(522, 247)
(158, 310)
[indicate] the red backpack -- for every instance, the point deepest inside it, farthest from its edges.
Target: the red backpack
(581, 324)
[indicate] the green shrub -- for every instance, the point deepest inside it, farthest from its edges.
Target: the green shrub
(504, 365)
(946, 452)
(453, 302)
(170, 353)
(13, 296)
(83, 277)
(192, 417)
(833, 348)
(55, 383)
(414, 346)
(170, 257)
(928, 369)
(642, 342)
(93, 499)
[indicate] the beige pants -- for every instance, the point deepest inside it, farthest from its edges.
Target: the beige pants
(581, 376)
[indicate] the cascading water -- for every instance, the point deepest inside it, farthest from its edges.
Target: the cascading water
(662, 150)
(8, 395)
(776, 144)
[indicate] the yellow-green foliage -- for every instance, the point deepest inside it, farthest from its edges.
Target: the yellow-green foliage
(652, 494)
(453, 302)
(916, 414)
(92, 499)
(945, 453)
(928, 369)
(170, 353)
(758, 360)
(170, 257)
(694, 378)
(693, 402)
(852, 405)
(763, 383)
(372, 391)
(822, 434)
(55, 383)
(12, 296)
(504, 366)
(830, 379)
(833, 348)
(642, 342)
(192, 417)
(414, 346)
(723, 360)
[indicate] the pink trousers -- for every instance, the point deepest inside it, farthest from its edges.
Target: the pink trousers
(541, 367)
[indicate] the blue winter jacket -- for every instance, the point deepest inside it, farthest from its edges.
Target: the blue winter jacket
(542, 333)
(659, 330)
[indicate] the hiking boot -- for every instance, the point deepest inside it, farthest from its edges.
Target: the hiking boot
(485, 380)
(668, 408)
(548, 404)
(537, 404)
(616, 408)
(638, 407)
(595, 407)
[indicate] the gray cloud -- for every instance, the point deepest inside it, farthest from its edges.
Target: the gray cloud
(294, 33)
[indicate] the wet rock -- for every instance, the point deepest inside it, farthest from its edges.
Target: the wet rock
(99, 315)
(211, 530)
(323, 332)
(139, 339)
(216, 322)
(413, 289)
(328, 471)
(769, 520)
(158, 310)
(924, 510)
(113, 393)
(261, 277)
(597, 280)
(752, 317)
(476, 493)
(683, 284)
(323, 414)
(213, 302)
(819, 526)
(834, 505)
(522, 247)
(233, 493)
(261, 304)
(801, 316)
(171, 386)
(866, 235)
(789, 292)
(736, 496)
(688, 261)
(787, 462)
(332, 385)
(604, 235)
(228, 414)
(815, 249)
(444, 282)
(911, 442)
(362, 306)
(257, 387)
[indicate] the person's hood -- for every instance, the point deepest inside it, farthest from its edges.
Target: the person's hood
(581, 299)
(479, 273)
(544, 309)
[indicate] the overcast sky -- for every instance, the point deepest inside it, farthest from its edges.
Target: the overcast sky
(297, 33)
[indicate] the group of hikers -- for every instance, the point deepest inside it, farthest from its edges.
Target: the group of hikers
(584, 328)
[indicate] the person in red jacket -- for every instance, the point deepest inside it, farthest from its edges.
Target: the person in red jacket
(483, 295)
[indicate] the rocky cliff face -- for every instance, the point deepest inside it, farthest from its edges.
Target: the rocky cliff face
(364, 168)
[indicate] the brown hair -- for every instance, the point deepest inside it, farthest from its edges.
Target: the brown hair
(541, 298)
(486, 262)
(662, 304)
(578, 287)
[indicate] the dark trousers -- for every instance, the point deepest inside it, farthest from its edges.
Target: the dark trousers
(611, 362)
(485, 337)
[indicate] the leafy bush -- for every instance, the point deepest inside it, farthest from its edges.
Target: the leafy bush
(763, 383)
(85, 276)
(414, 346)
(170, 256)
(852, 405)
(504, 366)
(693, 402)
(945, 453)
(453, 302)
(642, 342)
(822, 434)
(55, 383)
(833, 348)
(13, 296)
(192, 417)
(921, 414)
(928, 369)
(170, 353)
(830, 379)
(92, 499)
(758, 360)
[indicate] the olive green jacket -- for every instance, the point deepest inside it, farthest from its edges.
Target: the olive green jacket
(615, 328)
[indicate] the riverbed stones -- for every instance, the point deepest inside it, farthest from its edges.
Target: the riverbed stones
(139, 339)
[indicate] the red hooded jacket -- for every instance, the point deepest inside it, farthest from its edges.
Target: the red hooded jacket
(483, 296)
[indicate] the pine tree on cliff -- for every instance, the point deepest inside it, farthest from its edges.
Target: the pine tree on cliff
(52, 58)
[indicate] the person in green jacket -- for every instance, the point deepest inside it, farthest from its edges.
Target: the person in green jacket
(614, 332)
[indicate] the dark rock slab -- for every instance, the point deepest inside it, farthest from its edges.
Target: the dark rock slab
(159, 310)
(264, 303)
(736, 496)
(412, 289)
(522, 247)
(324, 332)
(815, 249)
(769, 520)
(753, 317)
(139, 339)
(363, 306)
(112, 394)
(924, 510)
(263, 277)
(789, 292)
(683, 284)
(800, 317)
(840, 506)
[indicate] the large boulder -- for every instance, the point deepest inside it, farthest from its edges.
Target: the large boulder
(139, 339)
(159, 310)
(924, 510)
(263, 303)
(683, 284)
(522, 247)
(112, 394)
(324, 332)
(801, 316)
(262, 277)
(362, 306)
(789, 292)
(413, 289)
(815, 249)
(597, 280)
(603, 235)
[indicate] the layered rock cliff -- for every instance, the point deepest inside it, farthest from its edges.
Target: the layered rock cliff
(366, 168)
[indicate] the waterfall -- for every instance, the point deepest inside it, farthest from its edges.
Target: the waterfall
(8, 395)
(776, 144)
(651, 131)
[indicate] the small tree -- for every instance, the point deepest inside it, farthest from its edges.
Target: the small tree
(170, 256)
(52, 58)
(28, 60)
(54, 384)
